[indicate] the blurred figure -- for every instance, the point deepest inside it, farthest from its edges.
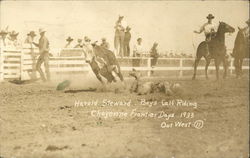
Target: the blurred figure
(154, 54)
(120, 26)
(43, 46)
(137, 52)
(104, 43)
(13, 41)
(69, 42)
(3, 35)
(246, 29)
(30, 38)
(87, 41)
(79, 43)
(87, 45)
(127, 41)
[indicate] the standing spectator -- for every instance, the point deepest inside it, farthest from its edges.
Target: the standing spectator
(3, 35)
(120, 26)
(154, 54)
(79, 43)
(43, 46)
(137, 52)
(13, 42)
(30, 38)
(87, 44)
(104, 43)
(127, 41)
(69, 42)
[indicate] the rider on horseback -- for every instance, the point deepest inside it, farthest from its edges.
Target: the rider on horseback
(245, 32)
(209, 30)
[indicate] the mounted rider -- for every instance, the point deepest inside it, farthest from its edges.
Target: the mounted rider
(209, 30)
(245, 32)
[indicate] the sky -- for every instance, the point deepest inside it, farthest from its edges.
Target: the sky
(170, 23)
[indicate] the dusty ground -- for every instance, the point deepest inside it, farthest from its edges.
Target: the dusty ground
(39, 122)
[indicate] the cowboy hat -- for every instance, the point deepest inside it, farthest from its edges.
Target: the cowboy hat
(86, 38)
(13, 33)
(3, 32)
(120, 16)
(128, 28)
(139, 38)
(155, 43)
(103, 39)
(69, 39)
(32, 33)
(210, 16)
(41, 30)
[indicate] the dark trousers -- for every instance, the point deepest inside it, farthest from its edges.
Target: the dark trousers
(43, 58)
(153, 61)
(126, 49)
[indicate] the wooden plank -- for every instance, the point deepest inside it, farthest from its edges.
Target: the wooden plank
(70, 69)
(12, 71)
(11, 64)
(7, 76)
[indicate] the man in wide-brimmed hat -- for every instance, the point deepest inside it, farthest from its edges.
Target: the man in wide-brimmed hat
(79, 43)
(246, 30)
(43, 46)
(127, 39)
(13, 41)
(30, 37)
(69, 41)
(208, 28)
(120, 27)
(104, 43)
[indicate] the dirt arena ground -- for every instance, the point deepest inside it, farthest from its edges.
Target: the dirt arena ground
(39, 122)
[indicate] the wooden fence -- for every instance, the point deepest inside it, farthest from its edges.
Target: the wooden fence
(21, 64)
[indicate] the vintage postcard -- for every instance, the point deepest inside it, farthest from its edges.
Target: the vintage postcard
(124, 79)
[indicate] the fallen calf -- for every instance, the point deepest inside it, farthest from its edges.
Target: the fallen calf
(142, 88)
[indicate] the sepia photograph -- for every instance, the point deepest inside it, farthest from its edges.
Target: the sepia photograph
(124, 79)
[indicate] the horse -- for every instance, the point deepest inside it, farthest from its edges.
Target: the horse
(240, 51)
(216, 49)
(103, 63)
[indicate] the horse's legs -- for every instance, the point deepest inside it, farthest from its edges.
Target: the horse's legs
(196, 62)
(98, 76)
(240, 67)
(217, 66)
(208, 59)
(225, 66)
(236, 65)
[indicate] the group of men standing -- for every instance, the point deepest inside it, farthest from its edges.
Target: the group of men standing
(122, 37)
(9, 40)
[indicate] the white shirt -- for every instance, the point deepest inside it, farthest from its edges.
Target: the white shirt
(208, 28)
(138, 49)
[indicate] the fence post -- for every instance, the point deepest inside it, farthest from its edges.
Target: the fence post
(149, 66)
(21, 64)
(181, 68)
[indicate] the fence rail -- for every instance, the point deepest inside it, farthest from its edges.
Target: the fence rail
(21, 64)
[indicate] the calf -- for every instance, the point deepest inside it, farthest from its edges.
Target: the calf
(142, 88)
